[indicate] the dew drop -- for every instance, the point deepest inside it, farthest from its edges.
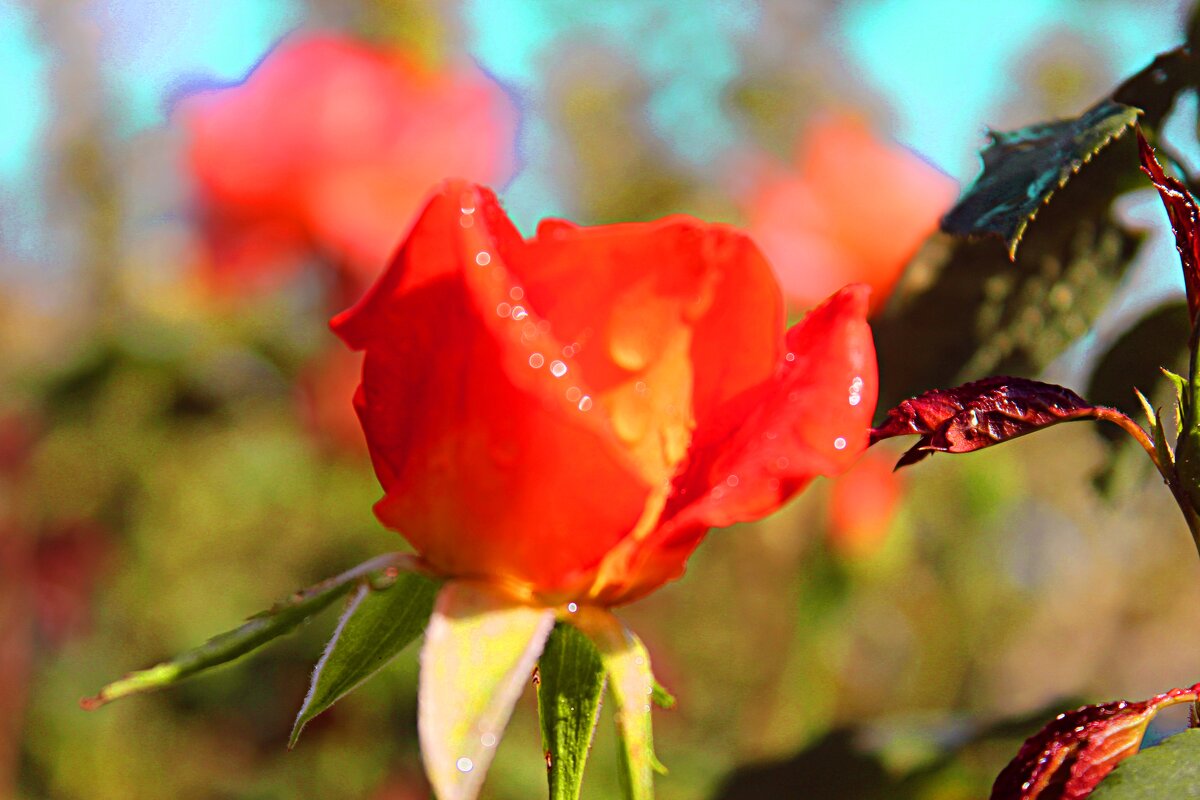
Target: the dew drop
(516, 293)
(585, 403)
(466, 220)
(782, 462)
(519, 313)
(466, 201)
(717, 493)
(855, 399)
(536, 360)
(483, 258)
(839, 443)
(573, 394)
(732, 481)
(572, 607)
(568, 351)
(790, 357)
(640, 387)
(558, 369)
(464, 764)
(503, 310)
(488, 740)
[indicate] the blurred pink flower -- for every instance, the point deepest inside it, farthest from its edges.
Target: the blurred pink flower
(329, 148)
(862, 504)
(853, 208)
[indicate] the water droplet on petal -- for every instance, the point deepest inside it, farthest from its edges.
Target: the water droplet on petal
(464, 764)
(782, 462)
(466, 201)
(732, 481)
(488, 740)
(503, 310)
(558, 369)
(640, 387)
(573, 394)
(790, 357)
(572, 607)
(519, 313)
(466, 220)
(483, 258)
(839, 443)
(855, 399)
(585, 403)
(516, 293)
(536, 360)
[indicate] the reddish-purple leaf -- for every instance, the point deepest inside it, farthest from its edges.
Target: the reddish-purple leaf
(1185, 221)
(1068, 758)
(980, 414)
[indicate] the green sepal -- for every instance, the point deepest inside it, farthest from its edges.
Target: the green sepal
(571, 682)
(1181, 398)
(661, 697)
(480, 650)
(258, 630)
(377, 624)
(631, 683)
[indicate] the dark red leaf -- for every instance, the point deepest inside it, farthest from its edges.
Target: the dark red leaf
(1068, 758)
(1185, 221)
(979, 414)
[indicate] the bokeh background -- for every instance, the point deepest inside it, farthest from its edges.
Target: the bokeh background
(177, 448)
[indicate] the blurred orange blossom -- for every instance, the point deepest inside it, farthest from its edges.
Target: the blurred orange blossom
(852, 208)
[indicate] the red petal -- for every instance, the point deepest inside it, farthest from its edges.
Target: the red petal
(489, 469)
(1185, 222)
(810, 419)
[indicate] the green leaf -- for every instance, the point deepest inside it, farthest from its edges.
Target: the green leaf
(962, 310)
(572, 680)
(257, 631)
(480, 650)
(1023, 168)
(1172, 769)
(632, 685)
(376, 625)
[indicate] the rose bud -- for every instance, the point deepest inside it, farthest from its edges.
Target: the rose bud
(568, 415)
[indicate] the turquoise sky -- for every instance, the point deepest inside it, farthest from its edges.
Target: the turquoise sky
(944, 66)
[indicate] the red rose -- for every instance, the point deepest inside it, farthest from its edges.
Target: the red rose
(853, 208)
(327, 146)
(570, 414)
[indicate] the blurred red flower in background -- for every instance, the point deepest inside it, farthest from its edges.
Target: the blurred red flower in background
(853, 208)
(862, 503)
(329, 147)
(570, 414)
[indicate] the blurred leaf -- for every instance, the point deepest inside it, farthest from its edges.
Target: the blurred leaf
(374, 628)
(480, 650)
(1171, 769)
(572, 680)
(1023, 168)
(632, 684)
(962, 310)
(1135, 361)
(979, 414)
(1075, 751)
(257, 631)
